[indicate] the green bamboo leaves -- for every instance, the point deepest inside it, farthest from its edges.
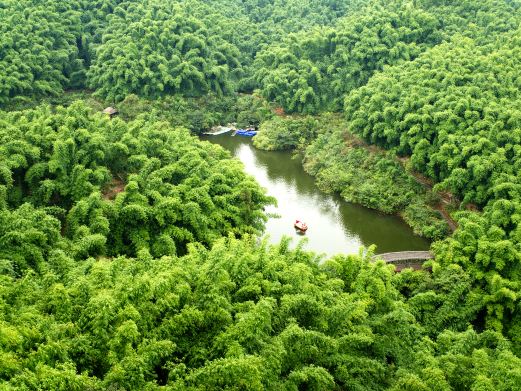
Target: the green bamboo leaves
(157, 48)
(38, 52)
(142, 188)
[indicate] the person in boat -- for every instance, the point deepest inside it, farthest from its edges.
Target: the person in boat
(300, 225)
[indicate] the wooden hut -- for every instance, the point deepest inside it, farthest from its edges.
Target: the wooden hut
(110, 111)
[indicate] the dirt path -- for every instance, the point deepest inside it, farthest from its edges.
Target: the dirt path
(450, 221)
(446, 198)
(115, 187)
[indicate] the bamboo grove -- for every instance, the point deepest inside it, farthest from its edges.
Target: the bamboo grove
(131, 252)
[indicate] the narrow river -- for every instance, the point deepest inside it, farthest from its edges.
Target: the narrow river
(335, 226)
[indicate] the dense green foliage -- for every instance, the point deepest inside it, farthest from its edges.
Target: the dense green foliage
(146, 47)
(310, 71)
(288, 133)
(303, 55)
(313, 70)
(461, 127)
(38, 47)
(113, 188)
(128, 250)
(240, 316)
(157, 47)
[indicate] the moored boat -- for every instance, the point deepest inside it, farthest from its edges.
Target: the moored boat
(217, 130)
(246, 132)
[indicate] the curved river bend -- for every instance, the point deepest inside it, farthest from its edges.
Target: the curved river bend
(335, 226)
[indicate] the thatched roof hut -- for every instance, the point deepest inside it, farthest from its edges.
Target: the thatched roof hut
(110, 111)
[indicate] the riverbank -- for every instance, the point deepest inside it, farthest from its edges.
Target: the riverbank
(362, 174)
(340, 162)
(335, 226)
(198, 114)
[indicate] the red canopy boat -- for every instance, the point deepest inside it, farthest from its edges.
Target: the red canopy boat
(301, 226)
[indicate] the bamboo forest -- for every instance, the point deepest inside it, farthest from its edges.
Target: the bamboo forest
(138, 250)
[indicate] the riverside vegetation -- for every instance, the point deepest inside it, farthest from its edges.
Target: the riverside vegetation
(128, 250)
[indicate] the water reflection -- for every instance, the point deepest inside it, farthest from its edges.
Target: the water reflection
(335, 226)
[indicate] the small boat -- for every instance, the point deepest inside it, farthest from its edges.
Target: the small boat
(245, 132)
(301, 226)
(217, 130)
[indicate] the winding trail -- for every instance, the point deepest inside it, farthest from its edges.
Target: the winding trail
(446, 198)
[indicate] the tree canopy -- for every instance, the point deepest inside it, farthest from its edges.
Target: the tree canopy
(239, 316)
(131, 255)
(159, 47)
(38, 49)
(112, 188)
(460, 126)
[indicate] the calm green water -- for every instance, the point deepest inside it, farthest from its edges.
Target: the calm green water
(335, 226)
